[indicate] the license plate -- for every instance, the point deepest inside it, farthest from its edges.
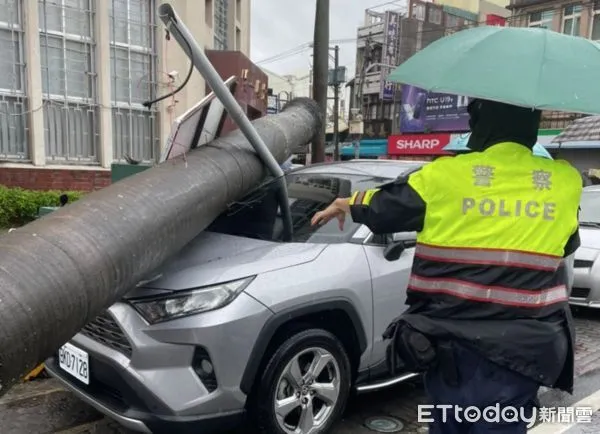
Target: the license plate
(75, 362)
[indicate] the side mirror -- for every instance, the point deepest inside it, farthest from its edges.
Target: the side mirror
(392, 251)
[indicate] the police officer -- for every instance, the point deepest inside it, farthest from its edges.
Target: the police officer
(487, 284)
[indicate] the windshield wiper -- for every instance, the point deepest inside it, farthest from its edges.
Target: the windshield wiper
(590, 224)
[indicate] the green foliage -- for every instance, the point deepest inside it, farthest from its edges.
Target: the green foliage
(19, 206)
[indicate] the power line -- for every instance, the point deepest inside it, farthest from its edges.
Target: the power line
(377, 6)
(293, 51)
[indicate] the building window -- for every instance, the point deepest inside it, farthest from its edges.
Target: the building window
(571, 20)
(238, 10)
(133, 64)
(221, 21)
(13, 101)
(452, 21)
(595, 33)
(69, 80)
(435, 16)
(387, 111)
(541, 19)
(238, 39)
(419, 12)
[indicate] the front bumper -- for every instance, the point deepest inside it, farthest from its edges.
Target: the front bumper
(586, 283)
(144, 377)
(132, 414)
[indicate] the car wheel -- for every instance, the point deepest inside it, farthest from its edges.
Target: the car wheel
(305, 385)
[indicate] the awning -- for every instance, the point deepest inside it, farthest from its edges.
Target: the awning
(586, 129)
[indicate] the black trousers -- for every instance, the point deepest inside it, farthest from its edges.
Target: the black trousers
(491, 392)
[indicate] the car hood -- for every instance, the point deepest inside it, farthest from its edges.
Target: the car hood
(590, 244)
(213, 258)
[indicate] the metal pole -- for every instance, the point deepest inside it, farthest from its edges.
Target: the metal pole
(336, 105)
(189, 45)
(320, 70)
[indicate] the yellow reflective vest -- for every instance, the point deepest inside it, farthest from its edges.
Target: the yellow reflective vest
(504, 198)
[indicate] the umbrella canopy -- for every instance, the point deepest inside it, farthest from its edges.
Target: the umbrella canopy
(581, 130)
(459, 144)
(528, 67)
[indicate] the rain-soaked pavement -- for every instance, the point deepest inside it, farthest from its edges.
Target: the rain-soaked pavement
(43, 407)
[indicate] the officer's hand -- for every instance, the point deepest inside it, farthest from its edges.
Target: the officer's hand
(337, 209)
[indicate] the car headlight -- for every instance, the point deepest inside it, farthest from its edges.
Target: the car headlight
(190, 302)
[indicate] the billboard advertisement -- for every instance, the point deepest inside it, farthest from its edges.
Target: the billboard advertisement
(423, 111)
(418, 144)
(388, 57)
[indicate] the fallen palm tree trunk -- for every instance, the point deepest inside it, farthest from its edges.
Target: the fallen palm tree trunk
(58, 272)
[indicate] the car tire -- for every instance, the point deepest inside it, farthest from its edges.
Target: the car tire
(315, 402)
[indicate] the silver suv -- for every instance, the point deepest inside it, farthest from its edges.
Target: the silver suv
(240, 322)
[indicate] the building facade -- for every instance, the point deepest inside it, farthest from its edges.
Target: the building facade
(576, 18)
(74, 75)
(569, 17)
(386, 40)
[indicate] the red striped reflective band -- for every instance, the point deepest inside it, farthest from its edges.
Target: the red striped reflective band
(509, 258)
(490, 294)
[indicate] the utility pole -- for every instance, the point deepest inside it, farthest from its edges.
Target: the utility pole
(336, 105)
(320, 72)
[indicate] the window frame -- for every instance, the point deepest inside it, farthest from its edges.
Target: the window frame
(221, 25)
(575, 15)
(127, 108)
(18, 30)
(595, 13)
(71, 126)
(418, 12)
(14, 101)
(151, 52)
(544, 23)
(438, 14)
(65, 37)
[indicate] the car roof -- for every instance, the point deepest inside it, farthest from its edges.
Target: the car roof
(390, 169)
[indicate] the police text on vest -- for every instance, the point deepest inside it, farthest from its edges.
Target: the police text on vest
(509, 208)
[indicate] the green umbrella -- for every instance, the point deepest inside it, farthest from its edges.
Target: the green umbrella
(529, 67)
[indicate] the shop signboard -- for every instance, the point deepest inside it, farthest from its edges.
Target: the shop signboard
(418, 144)
(423, 111)
(495, 20)
(390, 43)
(364, 148)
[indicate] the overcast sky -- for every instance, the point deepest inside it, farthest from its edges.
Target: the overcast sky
(279, 26)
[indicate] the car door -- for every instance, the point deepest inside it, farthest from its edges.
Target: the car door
(389, 281)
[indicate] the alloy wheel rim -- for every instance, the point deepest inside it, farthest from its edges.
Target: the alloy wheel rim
(307, 391)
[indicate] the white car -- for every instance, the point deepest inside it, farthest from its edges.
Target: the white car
(586, 284)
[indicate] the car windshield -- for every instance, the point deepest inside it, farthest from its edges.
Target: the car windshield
(258, 214)
(589, 215)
